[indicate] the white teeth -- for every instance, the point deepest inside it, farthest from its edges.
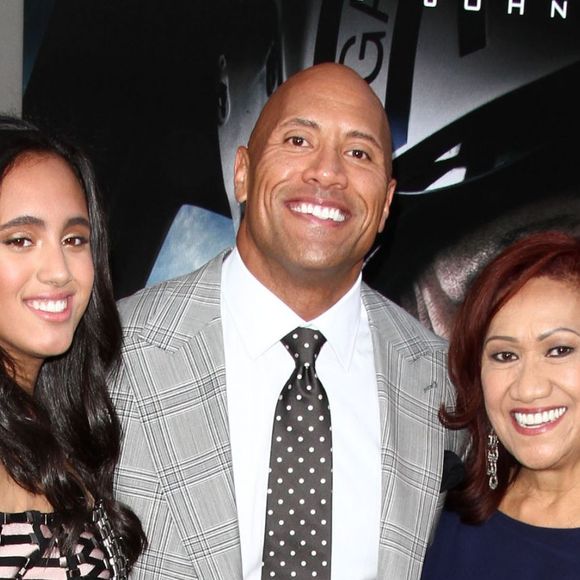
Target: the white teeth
(538, 419)
(54, 306)
(319, 211)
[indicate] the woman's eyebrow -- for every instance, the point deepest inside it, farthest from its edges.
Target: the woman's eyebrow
(27, 220)
(499, 337)
(548, 333)
(23, 220)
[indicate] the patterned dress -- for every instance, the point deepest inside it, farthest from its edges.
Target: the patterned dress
(28, 552)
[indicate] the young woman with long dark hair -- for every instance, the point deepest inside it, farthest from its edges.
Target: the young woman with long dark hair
(59, 338)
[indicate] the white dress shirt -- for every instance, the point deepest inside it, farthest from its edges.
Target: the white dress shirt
(257, 368)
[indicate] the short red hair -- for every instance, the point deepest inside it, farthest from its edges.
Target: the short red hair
(555, 255)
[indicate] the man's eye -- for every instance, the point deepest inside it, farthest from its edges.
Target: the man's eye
(359, 154)
(297, 141)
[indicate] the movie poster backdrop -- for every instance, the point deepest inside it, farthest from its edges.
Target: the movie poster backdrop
(483, 98)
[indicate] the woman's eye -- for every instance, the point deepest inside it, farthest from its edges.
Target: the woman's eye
(75, 241)
(504, 356)
(19, 242)
(558, 351)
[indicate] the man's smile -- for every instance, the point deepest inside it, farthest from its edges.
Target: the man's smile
(322, 212)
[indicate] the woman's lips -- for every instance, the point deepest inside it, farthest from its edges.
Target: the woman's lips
(53, 309)
(537, 421)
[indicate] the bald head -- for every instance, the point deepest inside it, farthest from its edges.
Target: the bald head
(327, 82)
(316, 181)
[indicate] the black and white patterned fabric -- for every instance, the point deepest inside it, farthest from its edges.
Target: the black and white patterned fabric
(297, 542)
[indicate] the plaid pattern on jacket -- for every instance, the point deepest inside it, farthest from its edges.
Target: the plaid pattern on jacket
(176, 466)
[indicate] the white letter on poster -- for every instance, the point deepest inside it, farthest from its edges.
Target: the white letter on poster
(468, 6)
(521, 6)
(561, 10)
(430, 3)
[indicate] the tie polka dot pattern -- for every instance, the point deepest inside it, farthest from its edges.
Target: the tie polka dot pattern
(298, 519)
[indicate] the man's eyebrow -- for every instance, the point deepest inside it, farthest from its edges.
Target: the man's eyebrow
(366, 136)
(23, 220)
(301, 122)
(356, 134)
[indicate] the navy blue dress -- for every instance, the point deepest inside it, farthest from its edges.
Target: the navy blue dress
(501, 549)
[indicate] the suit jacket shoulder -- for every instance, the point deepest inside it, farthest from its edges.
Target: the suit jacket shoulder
(398, 336)
(397, 326)
(172, 312)
(175, 468)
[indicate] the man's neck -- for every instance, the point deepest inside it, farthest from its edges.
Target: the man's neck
(309, 293)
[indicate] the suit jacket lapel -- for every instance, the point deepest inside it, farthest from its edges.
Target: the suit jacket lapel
(179, 366)
(182, 400)
(411, 442)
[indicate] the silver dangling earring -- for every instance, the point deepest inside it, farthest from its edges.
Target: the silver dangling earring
(492, 456)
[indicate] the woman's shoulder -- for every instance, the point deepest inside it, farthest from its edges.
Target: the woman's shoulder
(550, 537)
(498, 547)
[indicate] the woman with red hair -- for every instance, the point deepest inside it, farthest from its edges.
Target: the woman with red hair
(514, 357)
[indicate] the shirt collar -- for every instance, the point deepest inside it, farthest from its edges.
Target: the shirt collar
(262, 319)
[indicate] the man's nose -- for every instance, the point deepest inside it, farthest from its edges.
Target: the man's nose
(54, 267)
(327, 168)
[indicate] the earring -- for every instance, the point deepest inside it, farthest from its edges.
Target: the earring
(492, 456)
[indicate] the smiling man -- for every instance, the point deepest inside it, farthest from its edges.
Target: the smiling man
(316, 180)
(280, 416)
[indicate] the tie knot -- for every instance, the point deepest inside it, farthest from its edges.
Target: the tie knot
(304, 344)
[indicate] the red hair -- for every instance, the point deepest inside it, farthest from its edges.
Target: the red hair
(553, 255)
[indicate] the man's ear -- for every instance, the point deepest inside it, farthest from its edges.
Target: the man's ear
(390, 192)
(241, 170)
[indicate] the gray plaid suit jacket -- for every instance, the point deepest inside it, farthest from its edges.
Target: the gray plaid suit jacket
(176, 466)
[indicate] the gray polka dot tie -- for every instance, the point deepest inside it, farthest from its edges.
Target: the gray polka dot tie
(298, 512)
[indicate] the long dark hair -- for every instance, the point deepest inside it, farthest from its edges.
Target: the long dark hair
(63, 441)
(553, 255)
